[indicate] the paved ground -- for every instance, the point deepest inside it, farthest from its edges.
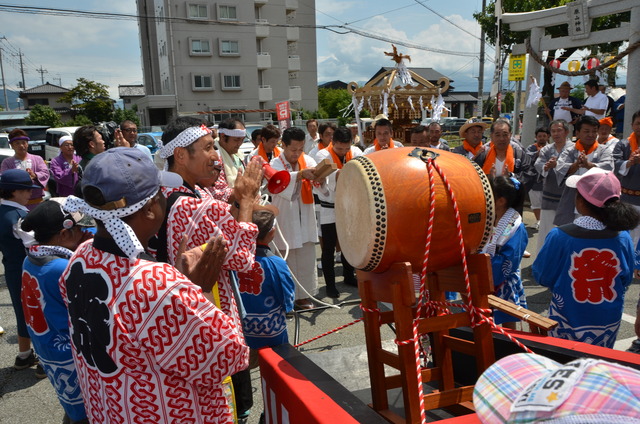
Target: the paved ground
(24, 399)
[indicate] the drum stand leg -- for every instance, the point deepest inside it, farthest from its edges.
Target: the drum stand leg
(396, 287)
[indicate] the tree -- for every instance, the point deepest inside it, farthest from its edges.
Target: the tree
(79, 121)
(507, 38)
(90, 99)
(43, 115)
(126, 115)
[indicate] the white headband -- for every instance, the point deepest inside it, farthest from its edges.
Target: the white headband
(233, 133)
(121, 232)
(184, 139)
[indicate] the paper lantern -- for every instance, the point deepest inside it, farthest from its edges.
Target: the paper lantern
(555, 63)
(592, 63)
(608, 58)
(574, 66)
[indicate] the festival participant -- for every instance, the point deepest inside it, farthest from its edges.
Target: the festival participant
(588, 264)
(340, 151)
(267, 291)
(507, 245)
(297, 221)
(627, 167)
(556, 109)
(267, 147)
(231, 133)
(15, 190)
(312, 137)
(534, 178)
(604, 134)
(434, 137)
(65, 167)
(603, 89)
(34, 165)
(501, 156)
(129, 132)
(383, 131)
(419, 137)
(471, 133)
(326, 136)
(584, 155)
(57, 235)
(355, 137)
(88, 143)
(123, 306)
(552, 186)
(596, 103)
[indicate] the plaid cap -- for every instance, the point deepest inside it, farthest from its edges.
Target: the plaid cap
(528, 388)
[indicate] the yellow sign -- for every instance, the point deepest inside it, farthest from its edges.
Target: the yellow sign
(517, 67)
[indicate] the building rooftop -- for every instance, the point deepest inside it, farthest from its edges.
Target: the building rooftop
(47, 88)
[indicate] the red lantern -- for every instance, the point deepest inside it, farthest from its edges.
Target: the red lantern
(593, 63)
(555, 63)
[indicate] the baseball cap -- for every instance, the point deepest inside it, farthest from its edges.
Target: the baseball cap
(530, 388)
(596, 185)
(16, 179)
(64, 138)
(48, 218)
(125, 176)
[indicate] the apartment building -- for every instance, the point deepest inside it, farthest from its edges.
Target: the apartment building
(210, 56)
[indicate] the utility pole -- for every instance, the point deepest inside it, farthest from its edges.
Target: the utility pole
(481, 71)
(4, 84)
(20, 54)
(42, 72)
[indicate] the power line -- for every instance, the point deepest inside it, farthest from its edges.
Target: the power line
(340, 29)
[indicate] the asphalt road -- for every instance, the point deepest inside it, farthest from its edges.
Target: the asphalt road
(24, 399)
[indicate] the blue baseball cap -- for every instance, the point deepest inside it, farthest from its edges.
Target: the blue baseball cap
(126, 176)
(16, 179)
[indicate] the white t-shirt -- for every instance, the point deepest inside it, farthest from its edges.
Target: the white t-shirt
(597, 101)
(559, 113)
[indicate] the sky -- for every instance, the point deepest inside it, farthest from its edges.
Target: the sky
(108, 51)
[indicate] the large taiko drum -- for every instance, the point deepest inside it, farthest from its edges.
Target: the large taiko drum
(382, 209)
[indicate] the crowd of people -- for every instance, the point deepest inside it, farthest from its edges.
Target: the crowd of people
(187, 272)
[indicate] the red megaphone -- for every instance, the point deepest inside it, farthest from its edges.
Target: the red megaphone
(277, 180)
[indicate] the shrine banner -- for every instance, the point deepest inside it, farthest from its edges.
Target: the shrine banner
(283, 113)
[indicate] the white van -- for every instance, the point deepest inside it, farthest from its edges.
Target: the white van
(52, 148)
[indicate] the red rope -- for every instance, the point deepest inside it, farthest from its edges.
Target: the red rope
(328, 332)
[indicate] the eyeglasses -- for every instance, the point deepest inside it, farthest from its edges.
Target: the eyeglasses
(130, 130)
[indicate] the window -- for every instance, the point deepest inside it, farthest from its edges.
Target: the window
(202, 83)
(229, 48)
(231, 82)
(197, 11)
(43, 102)
(227, 13)
(200, 47)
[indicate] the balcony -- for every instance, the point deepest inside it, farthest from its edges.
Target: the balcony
(265, 93)
(291, 4)
(294, 63)
(293, 33)
(260, 2)
(262, 31)
(295, 94)
(264, 60)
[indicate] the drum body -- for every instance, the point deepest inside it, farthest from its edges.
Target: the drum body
(382, 209)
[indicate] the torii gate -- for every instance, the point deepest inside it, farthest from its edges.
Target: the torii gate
(537, 21)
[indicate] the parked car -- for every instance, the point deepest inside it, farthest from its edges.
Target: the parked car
(153, 140)
(452, 126)
(37, 135)
(4, 141)
(247, 145)
(5, 153)
(52, 147)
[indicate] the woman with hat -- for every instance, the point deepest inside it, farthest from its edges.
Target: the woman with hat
(65, 167)
(57, 234)
(588, 264)
(16, 186)
(34, 165)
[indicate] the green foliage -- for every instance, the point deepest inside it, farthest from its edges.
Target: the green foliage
(43, 115)
(79, 121)
(578, 92)
(332, 101)
(125, 115)
(91, 99)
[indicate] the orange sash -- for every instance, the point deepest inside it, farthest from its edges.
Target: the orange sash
(491, 160)
(378, 147)
(306, 192)
(335, 157)
(470, 148)
(580, 147)
(263, 153)
(633, 142)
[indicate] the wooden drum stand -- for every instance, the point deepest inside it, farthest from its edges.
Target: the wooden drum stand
(396, 286)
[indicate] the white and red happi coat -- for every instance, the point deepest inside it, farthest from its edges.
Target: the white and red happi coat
(148, 346)
(202, 218)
